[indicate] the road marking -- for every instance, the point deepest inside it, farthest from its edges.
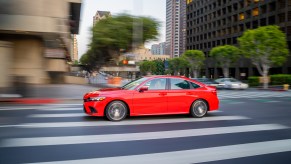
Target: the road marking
(65, 104)
(44, 108)
(250, 94)
(57, 115)
(60, 108)
(128, 122)
(273, 101)
(18, 108)
(65, 140)
(194, 155)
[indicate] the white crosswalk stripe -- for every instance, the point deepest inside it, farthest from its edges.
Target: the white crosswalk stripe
(195, 155)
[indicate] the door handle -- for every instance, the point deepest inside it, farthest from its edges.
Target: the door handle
(162, 94)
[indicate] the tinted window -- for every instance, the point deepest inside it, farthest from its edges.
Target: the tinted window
(194, 85)
(179, 84)
(156, 84)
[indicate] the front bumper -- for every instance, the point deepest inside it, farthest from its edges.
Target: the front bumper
(94, 108)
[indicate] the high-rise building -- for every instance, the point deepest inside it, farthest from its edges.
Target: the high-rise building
(155, 49)
(213, 23)
(162, 48)
(159, 49)
(175, 27)
(100, 15)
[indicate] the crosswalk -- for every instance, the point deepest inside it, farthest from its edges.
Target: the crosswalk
(63, 134)
(235, 94)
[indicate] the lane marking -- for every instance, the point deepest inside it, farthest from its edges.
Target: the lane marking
(60, 109)
(65, 140)
(194, 155)
(57, 115)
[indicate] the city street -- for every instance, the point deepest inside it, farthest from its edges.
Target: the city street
(252, 126)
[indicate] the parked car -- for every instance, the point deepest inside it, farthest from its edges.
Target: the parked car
(152, 95)
(231, 83)
(207, 81)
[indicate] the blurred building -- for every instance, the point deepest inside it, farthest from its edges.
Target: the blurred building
(36, 39)
(75, 48)
(155, 49)
(100, 15)
(141, 54)
(220, 22)
(158, 49)
(175, 27)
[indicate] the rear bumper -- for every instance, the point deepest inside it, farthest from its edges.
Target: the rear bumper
(214, 104)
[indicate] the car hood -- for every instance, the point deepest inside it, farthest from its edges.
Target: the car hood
(103, 91)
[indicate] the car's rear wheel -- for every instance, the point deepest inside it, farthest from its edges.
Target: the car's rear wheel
(199, 108)
(116, 111)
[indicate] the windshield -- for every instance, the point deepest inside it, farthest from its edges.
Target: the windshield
(131, 85)
(233, 80)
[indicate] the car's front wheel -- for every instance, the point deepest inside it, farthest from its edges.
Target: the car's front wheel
(116, 111)
(199, 108)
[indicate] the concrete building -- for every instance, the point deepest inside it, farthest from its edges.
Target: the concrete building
(159, 49)
(35, 40)
(100, 15)
(155, 49)
(141, 54)
(75, 48)
(220, 22)
(175, 27)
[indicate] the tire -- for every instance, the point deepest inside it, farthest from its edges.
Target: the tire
(116, 111)
(199, 108)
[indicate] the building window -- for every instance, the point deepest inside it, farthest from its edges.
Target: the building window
(264, 9)
(241, 16)
(256, 11)
(256, 1)
(289, 15)
(281, 17)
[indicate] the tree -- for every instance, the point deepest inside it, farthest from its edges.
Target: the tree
(160, 67)
(147, 67)
(225, 56)
(178, 65)
(266, 47)
(116, 35)
(196, 60)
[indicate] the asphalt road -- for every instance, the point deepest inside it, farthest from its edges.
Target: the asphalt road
(250, 127)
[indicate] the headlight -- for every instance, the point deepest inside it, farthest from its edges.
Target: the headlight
(96, 98)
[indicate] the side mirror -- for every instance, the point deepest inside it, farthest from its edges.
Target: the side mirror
(143, 88)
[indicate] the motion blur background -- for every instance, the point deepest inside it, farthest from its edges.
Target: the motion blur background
(37, 42)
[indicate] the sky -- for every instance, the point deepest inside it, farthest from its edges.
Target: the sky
(152, 8)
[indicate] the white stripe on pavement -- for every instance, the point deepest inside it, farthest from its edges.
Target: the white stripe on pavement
(195, 155)
(128, 122)
(18, 108)
(60, 108)
(57, 115)
(65, 140)
(44, 108)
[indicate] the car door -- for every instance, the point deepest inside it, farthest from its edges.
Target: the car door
(181, 94)
(152, 101)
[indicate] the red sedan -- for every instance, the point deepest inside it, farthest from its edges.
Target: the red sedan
(152, 95)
